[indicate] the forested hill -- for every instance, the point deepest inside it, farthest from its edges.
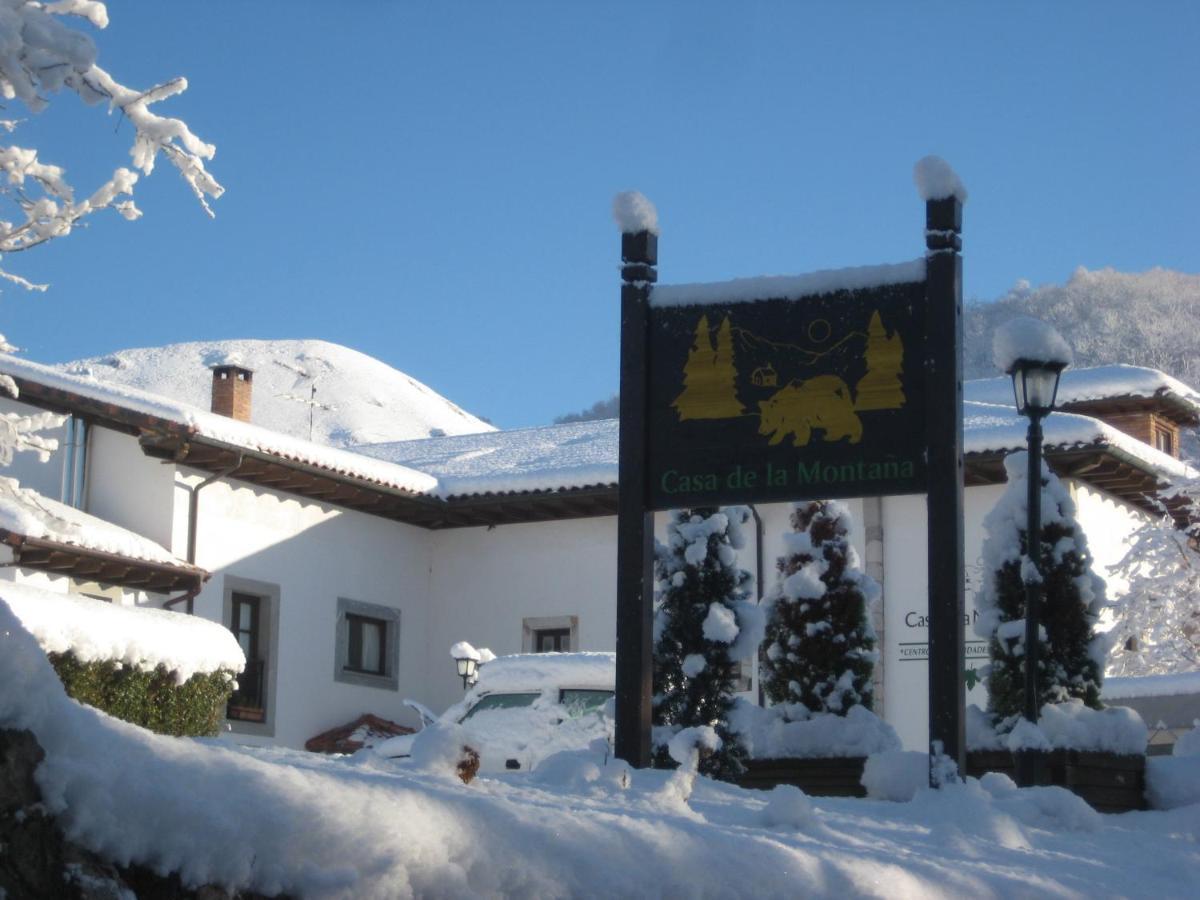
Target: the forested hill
(1145, 319)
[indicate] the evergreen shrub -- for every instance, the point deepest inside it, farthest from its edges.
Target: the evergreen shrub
(703, 626)
(820, 646)
(151, 699)
(1071, 654)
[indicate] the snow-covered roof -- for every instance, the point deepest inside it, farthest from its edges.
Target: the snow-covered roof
(787, 287)
(26, 513)
(579, 455)
(550, 457)
(358, 399)
(1093, 383)
(1171, 685)
(141, 637)
(991, 428)
(222, 429)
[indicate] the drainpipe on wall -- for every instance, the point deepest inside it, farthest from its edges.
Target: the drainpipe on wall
(194, 512)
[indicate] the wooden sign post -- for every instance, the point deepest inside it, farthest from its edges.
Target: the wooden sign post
(836, 384)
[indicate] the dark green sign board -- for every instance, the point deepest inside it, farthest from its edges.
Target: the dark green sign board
(779, 399)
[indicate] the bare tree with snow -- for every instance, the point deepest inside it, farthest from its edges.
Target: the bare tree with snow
(41, 54)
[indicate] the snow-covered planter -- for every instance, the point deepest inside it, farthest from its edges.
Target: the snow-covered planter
(165, 671)
(1098, 754)
(821, 753)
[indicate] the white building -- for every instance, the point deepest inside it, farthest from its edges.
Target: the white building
(347, 574)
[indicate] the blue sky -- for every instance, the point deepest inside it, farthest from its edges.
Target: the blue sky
(430, 183)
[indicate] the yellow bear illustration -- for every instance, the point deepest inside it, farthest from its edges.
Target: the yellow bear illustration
(823, 402)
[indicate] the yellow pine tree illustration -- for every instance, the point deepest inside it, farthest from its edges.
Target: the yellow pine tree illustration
(709, 376)
(880, 388)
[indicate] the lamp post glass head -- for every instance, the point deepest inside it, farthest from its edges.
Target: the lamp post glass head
(1035, 385)
(467, 670)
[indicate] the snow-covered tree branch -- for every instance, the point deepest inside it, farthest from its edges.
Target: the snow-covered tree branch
(41, 54)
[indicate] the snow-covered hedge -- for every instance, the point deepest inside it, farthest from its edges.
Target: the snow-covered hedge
(166, 671)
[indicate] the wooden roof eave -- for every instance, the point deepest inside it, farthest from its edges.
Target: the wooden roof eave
(85, 564)
(112, 415)
(1103, 466)
(1164, 402)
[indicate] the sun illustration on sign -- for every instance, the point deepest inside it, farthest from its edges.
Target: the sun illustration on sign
(822, 403)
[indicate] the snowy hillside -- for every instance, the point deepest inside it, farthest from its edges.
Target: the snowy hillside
(1140, 318)
(358, 399)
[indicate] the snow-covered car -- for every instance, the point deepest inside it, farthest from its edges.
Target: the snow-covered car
(526, 707)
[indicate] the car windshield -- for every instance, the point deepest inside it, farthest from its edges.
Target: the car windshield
(579, 702)
(500, 701)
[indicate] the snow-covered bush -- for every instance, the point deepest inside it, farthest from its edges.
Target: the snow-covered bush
(1071, 657)
(703, 626)
(820, 646)
(153, 700)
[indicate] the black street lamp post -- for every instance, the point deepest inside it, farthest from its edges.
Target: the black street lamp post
(1035, 387)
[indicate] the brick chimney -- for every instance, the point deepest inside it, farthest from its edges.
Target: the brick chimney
(231, 391)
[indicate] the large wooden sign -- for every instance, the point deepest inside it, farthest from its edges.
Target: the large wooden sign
(778, 398)
(812, 388)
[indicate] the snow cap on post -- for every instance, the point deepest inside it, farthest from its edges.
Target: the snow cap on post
(936, 180)
(1026, 338)
(638, 220)
(634, 213)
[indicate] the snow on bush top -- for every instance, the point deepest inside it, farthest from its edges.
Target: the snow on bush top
(787, 287)
(790, 730)
(634, 213)
(1069, 725)
(1030, 339)
(144, 638)
(26, 512)
(936, 180)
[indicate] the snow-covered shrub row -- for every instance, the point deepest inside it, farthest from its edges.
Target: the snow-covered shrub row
(704, 625)
(165, 671)
(1070, 725)
(820, 643)
(138, 637)
(791, 731)
(1072, 655)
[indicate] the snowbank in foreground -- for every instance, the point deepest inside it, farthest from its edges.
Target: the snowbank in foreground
(143, 638)
(316, 826)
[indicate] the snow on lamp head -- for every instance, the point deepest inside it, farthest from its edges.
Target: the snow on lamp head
(467, 660)
(1034, 355)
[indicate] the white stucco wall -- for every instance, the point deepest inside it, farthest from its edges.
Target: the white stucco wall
(128, 488)
(314, 554)
(485, 582)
